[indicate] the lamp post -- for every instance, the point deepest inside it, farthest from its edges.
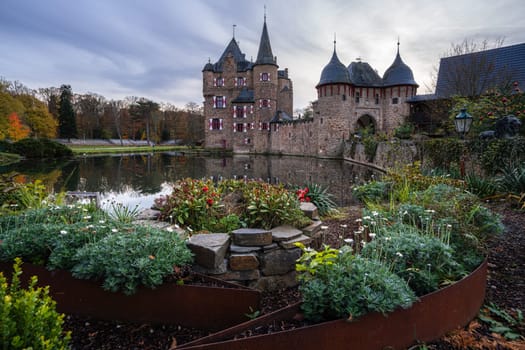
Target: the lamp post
(463, 122)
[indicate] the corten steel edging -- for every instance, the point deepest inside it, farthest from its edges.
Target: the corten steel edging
(208, 308)
(431, 317)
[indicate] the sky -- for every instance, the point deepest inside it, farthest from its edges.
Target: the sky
(157, 48)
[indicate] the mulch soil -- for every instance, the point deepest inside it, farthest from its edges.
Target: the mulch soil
(505, 290)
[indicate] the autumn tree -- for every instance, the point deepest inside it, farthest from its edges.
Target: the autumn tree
(67, 126)
(89, 109)
(145, 109)
(16, 130)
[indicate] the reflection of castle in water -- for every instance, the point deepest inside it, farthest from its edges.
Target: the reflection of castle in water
(146, 173)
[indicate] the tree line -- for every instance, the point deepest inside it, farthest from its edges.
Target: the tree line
(60, 113)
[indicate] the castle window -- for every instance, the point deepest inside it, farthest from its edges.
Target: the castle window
(395, 100)
(215, 124)
(377, 99)
(247, 141)
(240, 81)
(219, 102)
(264, 126)
(343, 97)
(239, 127)
(264, 103)
(239, 112)
(265, 77)
(219, 81)
(357, 97)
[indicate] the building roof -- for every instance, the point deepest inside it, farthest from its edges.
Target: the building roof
(245, 96)
(233, 50)
(398, 73)
(486, 69)
(334, 72)
(265, 55)
(362, 74)
(281, 117)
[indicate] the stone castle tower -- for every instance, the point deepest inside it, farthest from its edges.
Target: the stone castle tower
(242, 98)
(355, 97)
(248, 105)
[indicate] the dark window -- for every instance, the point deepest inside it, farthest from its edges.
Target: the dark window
(240, 81)
(239, 127)
(219, 102)
(265, 103)
(395, 100)
(215, 124)
(220, 81)
(377, 99)
(265, 77)
(239, 111)
(264, 126)
(357, 97)
(344, 97)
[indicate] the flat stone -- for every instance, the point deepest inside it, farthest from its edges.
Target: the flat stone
(222, 268)
(242, 262)
(291, 243)
(274, 283)
(251, 237)
(279, 261)
(285, 233)
(248, 275)
(310, 210)
(313, 228)
(241, 250)
(270, 247)
(209, 249)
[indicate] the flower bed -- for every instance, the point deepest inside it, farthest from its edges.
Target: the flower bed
(431, 317)
(198, 306)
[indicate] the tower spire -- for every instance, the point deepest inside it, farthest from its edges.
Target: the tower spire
(398, 44)
(234, 25)
(264, 13)
(335, 41)
(265, 55)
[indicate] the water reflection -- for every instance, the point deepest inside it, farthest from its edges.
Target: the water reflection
(138, 179)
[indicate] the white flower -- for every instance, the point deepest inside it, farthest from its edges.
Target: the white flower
(430, 211)
(358, 220)
(63, 232)
(344, 225)
(324, 227)
(366, 217)
(101, 222)
(449, 226)
(388, 238)
(375, 213)
(372, 235)
(87, 217)
(349, 241)
(399, 254)
(363, 243)
(169, 229)
(90, 226)
(114, 230)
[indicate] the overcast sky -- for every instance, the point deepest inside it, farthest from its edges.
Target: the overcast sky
(157, 48)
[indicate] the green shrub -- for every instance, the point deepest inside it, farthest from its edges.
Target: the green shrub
(480, 186)
(350, 286)
(374, 191)
(125, 260)
(512, 179)
(41, 148)
(28, 317)
(404, 131)
(423, 261)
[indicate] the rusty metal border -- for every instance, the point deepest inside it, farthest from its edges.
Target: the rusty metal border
(208, 308)
(430, 318)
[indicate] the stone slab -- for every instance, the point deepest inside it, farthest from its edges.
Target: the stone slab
(222, 268)
(291, 243)
(275, 283)
(243, 262)
(310, 210)
(209, 249)
(242, 250)
(248, 275)
(285, 233)
(279, 261)
(313, 228)
(251, 237)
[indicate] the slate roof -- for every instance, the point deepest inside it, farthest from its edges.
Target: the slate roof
(398, 73)
(245, 96)
(240, 58)
(508, 63)
(281, 117)
(265, 55)
(334, 72)
(362, 74)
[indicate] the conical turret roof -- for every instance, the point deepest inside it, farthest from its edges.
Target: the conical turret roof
(334, 72)
(265, 55)
(398, 73)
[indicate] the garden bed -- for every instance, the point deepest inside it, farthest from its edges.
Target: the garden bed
(431, 317)
(212, 305)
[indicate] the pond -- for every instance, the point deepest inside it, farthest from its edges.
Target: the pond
(137, 179)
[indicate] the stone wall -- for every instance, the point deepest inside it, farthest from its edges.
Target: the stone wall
(261, 259)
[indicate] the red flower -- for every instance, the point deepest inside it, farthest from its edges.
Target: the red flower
(205, 189)
(504, 100)
(209, 201)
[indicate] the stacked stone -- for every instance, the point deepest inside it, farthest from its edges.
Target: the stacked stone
(262, 259)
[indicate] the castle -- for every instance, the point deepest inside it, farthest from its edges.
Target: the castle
(248, 105)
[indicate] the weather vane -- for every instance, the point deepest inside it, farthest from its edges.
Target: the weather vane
(235, 25)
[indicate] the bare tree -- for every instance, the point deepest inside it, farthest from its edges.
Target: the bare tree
(115, 110)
